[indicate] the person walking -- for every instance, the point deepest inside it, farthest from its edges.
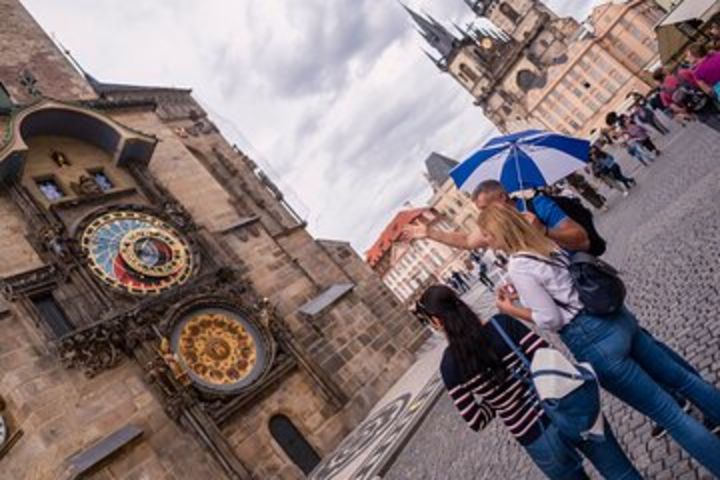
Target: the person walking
(608, 166)
(476, 369)
(630, 363)
(637, 133)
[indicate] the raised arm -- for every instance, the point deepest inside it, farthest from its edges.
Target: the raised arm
(465, 241)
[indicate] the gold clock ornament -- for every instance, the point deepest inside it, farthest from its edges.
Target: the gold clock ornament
(136, 252)
(220, 349)
(487, 43)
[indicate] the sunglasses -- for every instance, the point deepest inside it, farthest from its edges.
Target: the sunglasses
(422, 313)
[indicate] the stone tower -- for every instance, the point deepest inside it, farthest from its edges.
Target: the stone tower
(164, 311)
(499, 66)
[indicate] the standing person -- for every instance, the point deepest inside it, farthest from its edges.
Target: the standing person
(476, 370)
(629, 362)
(583, 187)
(609, 166)
(483, 275)
(636, 132)
(460, 282)
(679, 92)
(706, 69)
(643, 113)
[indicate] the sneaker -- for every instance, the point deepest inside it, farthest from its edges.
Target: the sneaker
(626, 193)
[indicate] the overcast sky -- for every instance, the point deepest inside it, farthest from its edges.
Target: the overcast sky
(333, 97)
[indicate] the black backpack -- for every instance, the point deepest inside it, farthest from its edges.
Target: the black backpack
(574, 209)
(598, 284)
(689, 96)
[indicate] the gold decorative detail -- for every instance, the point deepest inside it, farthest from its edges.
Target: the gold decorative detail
(136, 252)
(217, 348)
(137, 246)
(60, 159)
(171, 360)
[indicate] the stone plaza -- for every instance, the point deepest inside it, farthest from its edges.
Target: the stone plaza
(665, 237)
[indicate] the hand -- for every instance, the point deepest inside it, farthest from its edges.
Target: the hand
(533, 220)
(504, 301)
(414, 232)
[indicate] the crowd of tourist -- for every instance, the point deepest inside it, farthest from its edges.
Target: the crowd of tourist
(555, 282)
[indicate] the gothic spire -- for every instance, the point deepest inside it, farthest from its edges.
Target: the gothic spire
(433, 32)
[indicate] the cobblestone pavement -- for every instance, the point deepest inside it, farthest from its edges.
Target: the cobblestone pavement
(666, 238)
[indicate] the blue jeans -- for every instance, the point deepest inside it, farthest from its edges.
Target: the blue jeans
(637, 368)
(559, 459)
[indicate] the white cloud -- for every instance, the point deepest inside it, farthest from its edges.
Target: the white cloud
(335, 95)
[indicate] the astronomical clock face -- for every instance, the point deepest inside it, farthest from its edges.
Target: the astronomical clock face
(220, 349)
(136, 252)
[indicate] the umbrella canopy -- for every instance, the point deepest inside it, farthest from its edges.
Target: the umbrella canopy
(519, 161)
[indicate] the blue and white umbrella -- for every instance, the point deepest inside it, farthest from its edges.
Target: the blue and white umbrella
(523, 160)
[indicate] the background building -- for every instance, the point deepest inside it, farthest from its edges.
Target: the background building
(137, 252)
(447, 199)
(408, 267)
(540, 70)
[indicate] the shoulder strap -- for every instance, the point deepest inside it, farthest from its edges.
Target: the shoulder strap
(568, 308)
(510, 343)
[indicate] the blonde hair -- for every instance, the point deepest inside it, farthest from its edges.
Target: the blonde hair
(513, 233)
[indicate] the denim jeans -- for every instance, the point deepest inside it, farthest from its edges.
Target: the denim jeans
(559, 459)
(639, 370)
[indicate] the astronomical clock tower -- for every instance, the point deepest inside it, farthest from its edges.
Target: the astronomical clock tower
(164, 312)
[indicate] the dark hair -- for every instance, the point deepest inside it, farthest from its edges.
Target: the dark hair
(698, 50)
(469, 345)
(487, 186)
(659, 74)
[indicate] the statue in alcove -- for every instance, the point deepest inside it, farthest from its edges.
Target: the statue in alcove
(86, 186)
(60, 159)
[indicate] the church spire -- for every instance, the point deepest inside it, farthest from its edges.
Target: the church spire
(433, 32)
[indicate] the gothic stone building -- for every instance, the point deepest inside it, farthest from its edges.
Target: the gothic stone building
(164, 312)
(538, 70)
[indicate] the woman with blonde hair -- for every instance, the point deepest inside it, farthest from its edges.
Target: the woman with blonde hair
(629, 362)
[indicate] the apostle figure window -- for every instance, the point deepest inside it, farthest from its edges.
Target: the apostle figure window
(102, 180)
(50, 189)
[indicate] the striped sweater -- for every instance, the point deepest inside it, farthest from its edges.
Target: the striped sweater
(479, 400)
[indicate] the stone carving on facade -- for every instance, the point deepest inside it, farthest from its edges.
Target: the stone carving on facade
(55, 242)
(178, 215)
(86, 186)
(41, 278)
(30, 83)
(93, 349)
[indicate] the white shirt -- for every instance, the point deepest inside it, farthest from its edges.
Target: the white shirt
(537, 284)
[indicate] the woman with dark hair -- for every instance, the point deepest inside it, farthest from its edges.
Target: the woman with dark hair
(476, 369)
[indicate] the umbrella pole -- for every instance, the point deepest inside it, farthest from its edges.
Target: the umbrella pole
(517, 168)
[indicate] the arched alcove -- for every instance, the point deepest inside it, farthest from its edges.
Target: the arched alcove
(293, 443)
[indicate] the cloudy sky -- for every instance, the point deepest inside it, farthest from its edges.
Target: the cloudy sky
(333, 97)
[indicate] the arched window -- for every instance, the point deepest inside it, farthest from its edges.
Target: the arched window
(293, 443)
(469, 73)
(509, 12)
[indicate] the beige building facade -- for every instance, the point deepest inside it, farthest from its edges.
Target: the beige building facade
(544, 71)
(165, 314)
(407, 268)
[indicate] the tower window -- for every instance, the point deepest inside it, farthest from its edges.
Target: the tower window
(52, 314)
(50, 189)
(468, 72)
(102, 180)
(509, 12)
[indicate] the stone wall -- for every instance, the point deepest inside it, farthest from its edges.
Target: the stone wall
(61, 412)
(26, 47)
